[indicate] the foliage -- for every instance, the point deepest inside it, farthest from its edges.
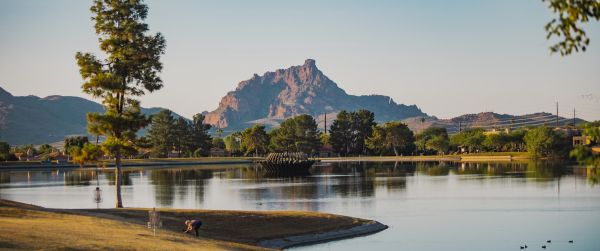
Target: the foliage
(4, 151)
(182, 142)
(433, 139)
(583, 154)
(200, 141)
(45, 149)
(77, 141)
(255, 140)
(218, 143)
(544, 141)
(297, 134)
(88, 153)
(393, 137)
(130, 70)
(571, 15)
(233, 143)
(160, 133)
(470, 138)
(350, 130)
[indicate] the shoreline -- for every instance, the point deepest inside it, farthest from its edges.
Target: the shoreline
(498, 157)
(310, 239)
(225, 229)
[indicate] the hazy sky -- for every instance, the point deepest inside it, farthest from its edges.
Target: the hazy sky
(448, 57)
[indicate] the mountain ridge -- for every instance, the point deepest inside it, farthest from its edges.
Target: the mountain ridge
(301, 89)
(34, 120)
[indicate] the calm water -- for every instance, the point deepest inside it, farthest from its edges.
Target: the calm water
(428, 206)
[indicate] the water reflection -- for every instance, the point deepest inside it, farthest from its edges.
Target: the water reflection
(429, 205)
(344, 180)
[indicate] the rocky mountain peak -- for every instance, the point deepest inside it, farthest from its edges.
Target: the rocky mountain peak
(300, 89)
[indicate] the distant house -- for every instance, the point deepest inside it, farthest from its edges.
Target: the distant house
(495, 131)
(581, 140)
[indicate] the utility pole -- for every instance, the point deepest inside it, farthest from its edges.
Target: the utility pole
(573, 117)
(459, 126)
(325, 124)
(556, 114)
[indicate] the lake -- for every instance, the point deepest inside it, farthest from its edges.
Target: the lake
(428, 205)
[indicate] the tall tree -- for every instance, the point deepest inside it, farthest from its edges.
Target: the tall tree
(130, 70)
(543, 141)
(181, 136)
(297, 134)
(572, 14)
(392, 137)
(470, 138)
(255, 140)
(363, 122)
(350, 130)
(233, 143)
(433, 140)
(341, 133)
(201, 141)
(161, 134)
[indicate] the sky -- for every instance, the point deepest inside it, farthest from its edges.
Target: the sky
(447, 57)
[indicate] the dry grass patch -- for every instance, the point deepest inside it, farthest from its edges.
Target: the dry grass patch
(248, 227)
(27, 229)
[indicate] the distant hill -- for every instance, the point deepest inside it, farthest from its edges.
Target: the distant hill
(303, 89)
(35, 120)
(490, 120)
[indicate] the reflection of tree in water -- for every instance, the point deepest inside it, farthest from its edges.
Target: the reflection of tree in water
(592, 174)
(4, 178)
(546, 169)
(79, 177)
(540, 169)
(169, 181)
(433, 168)
(110, 176)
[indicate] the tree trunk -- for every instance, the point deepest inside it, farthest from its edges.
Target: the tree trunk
(395, 151)
(118, 178)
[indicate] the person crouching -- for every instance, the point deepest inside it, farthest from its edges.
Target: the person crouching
(192, 225)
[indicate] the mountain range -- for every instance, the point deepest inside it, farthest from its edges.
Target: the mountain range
(34, 120)
(267, 99)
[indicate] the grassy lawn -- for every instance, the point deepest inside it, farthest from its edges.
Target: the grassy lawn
(247, 227)
(29, 227)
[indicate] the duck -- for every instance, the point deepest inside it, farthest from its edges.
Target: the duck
(522, 247)
(571, 241)
(549, 241)
(544, 246)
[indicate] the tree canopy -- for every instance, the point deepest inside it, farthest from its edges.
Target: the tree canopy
(297, 134)
(130, 70)
(567, 27)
